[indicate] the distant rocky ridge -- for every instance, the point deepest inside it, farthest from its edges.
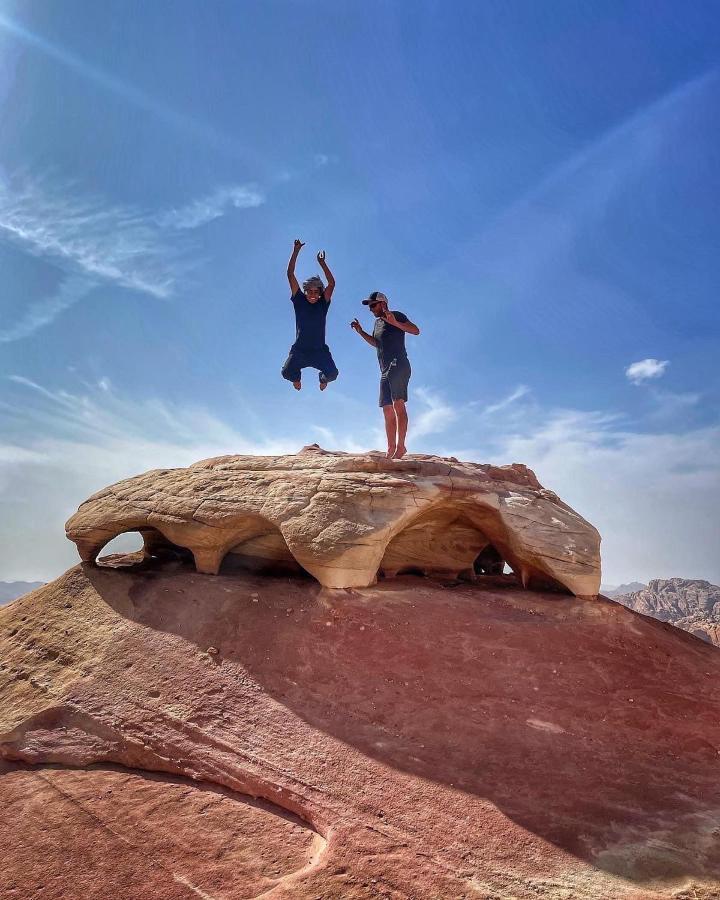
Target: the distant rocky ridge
(613, 591)
(11, 590)
(691, 604)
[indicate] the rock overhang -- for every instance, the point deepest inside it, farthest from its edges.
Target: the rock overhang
(346, 517)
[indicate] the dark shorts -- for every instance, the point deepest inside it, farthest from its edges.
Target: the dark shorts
(394, 381)
(300, 358)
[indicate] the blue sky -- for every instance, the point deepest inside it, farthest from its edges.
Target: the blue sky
(536, 185)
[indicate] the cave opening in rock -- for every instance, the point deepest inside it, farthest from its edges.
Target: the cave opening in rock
(490, 562)
(444, 541)
(266, 553)
(139, 545)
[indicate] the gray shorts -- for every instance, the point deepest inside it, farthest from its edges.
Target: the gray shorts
(394, 381)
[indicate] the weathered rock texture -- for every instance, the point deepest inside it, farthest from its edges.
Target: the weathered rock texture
(408, 740)
(691, 604)
(343, 518)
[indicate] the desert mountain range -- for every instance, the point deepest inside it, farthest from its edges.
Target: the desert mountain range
(691, 604)
(11, 590)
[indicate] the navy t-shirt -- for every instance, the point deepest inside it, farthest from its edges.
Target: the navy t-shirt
(309, 322)
(390, 340)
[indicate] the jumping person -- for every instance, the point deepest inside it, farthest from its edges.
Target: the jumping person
(311, 308)
(388, 338)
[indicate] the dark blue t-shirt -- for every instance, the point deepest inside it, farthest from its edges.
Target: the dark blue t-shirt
(309, 322)
(390, 340)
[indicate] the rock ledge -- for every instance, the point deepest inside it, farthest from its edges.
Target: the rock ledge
(344, 518)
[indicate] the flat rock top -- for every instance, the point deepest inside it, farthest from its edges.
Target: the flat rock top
(313, 458)
(439, 740)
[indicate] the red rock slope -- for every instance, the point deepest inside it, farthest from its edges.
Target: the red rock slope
(407, 740)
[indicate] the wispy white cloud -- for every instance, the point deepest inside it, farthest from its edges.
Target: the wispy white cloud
(214, 205)
(437, 414)
(92, 242)
(519, 392)
(71, 290)
(323, 159)
(646, 369)
(104, 242)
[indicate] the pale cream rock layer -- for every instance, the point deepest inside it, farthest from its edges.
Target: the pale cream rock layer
(346, 517)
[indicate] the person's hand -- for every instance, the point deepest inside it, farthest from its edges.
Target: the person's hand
(356, 326)
(298, 245)
(321, 257)
(390, 318)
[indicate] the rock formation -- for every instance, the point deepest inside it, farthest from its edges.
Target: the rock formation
(691, 604)
(169, 736)
(344, 518)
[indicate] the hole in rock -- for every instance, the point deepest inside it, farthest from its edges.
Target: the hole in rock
(133, 547)
(489, 562)
(263, 554)
(442, 542)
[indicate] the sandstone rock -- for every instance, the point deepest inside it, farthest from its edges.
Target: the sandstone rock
(344, 518)
(411, 740)
(691, 604)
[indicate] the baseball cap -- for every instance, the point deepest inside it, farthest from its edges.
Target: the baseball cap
(375, 297)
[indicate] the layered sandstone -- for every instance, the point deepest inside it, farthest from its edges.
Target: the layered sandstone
(169, 736)
(345, 518)
(691, 604)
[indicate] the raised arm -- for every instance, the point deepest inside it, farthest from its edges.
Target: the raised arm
(328, 274)
(294, 286)
(356, 326)
(404, 325)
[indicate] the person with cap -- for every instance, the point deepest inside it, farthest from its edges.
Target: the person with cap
(388, 338)
(311, 308)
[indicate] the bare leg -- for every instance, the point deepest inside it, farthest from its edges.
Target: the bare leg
(297, 384)
(390, 429)
(402, 426)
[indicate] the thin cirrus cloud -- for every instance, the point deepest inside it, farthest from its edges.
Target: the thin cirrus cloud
(214, 205)
(93, 243)
(70, 291)
(110, 243)
(646, 370)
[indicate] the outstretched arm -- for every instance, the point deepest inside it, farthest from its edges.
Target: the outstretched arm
(294, 286)
(356, 326)
(406, 326)
(328, 274)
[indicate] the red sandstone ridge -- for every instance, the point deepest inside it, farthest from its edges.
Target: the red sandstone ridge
(413, 739)
(168, 735)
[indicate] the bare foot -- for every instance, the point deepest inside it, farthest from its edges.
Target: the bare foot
(323, 385)
(390, 453)
(297, 385)
(400, 452)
